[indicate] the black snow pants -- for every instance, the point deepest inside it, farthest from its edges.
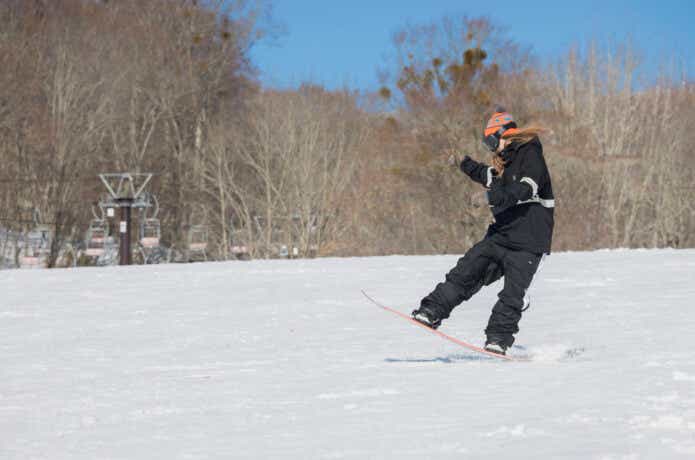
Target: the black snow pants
(482, 265)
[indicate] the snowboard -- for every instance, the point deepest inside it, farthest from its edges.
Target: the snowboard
(443, 335)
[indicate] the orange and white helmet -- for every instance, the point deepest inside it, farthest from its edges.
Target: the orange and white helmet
(500, 124)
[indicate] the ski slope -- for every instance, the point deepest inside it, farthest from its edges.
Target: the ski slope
(287, 359)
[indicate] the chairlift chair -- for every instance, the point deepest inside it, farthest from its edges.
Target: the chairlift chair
(239, 250)
(36, 248)
(110, 254)
(197, 243)
(29, 256)
(150, 233)
(96, 237)
(30, 262)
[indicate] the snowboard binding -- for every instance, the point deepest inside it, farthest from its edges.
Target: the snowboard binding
(427, 317)
(497, 348)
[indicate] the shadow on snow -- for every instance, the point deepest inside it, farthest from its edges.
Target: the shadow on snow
(521, 355)
(453, 358)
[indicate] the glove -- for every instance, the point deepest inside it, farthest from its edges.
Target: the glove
(468, 165)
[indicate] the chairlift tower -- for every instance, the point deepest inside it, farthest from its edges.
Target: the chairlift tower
(126, 192)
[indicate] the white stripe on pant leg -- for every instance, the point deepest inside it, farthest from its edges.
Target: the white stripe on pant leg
(527, 297)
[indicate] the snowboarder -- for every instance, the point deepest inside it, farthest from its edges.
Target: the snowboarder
(520, 196)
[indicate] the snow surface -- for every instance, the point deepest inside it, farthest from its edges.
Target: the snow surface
(286, 359)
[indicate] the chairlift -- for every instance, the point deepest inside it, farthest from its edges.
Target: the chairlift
(150, 232)
(30, 261)
(30, 256)
(36, 247)
(239, 250)
(110, 254)
(150, 226)
(96, 237)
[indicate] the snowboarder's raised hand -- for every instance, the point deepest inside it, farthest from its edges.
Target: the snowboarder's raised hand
(479, 172)
(452, 160)
(468, 165)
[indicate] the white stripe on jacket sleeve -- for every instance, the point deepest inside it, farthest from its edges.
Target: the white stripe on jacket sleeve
(532, 183)
(488, 184)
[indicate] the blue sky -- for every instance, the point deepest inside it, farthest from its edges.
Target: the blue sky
(342, 42)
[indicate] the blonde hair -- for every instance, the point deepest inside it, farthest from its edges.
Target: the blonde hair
(525, 135)
(522, 136)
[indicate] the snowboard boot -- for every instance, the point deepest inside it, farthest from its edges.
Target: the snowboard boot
(427, 316)
(496, 347)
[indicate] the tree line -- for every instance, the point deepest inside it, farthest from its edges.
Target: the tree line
(168, 86)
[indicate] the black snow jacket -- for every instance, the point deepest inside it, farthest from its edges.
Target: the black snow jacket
(521, 200)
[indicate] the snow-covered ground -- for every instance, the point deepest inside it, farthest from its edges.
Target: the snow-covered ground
(286, 359)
